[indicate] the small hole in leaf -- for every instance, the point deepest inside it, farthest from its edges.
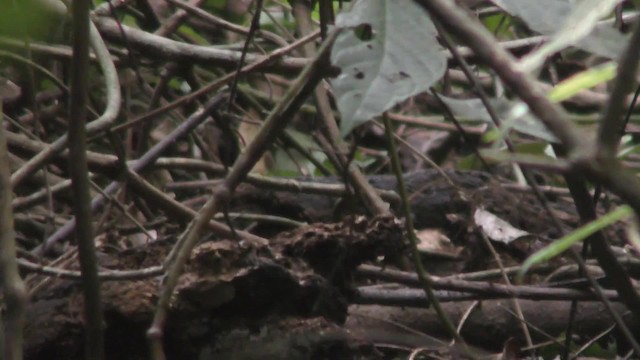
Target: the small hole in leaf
(364, 32)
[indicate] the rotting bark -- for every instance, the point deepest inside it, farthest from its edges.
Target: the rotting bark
(234, 299)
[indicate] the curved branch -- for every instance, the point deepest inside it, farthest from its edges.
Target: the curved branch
(114, 100)
(170, 50)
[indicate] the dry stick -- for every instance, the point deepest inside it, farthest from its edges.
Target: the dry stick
(612, 125)
(465, 316)
(226, 25)
(551, 339)
(488, 275)
(260, 64)
(139, 165)
(114, 98)
(424, 158)
(59, 52)
(486, 289)
(174, 208)
(525, 171)
(427, 122)
(165, 203)
(167, 28)
(595, 339)
(170, 50)
(552, 115)
(108, 6)
(609, 133)
(272, 127)
(288, 141)
(15, 293)
(426, 282)
(496, 121)
(376, 295)
(79, 174)
(101, 162)
(372, 201)
(606, 258)
(483, 43)
(107, 163)
(36, 284)
(171, 25)
(505, 278)
(308, 186)
(610, 130)
(106, 275)
(123, 209)
(144, 130)
(26, 202)
(255, 25)
(44, 71)
(604, 255)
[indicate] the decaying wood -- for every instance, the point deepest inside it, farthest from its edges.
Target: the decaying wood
(289, 300)
(228, 288)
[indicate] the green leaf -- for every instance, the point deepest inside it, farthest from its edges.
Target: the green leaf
(580, 22)
(502, 20)
(40, 19)
(501, 156)
(583, 80)
(491, 136)
(291, 162)
(315, 15)
(200, 40)
(531, 148)
(469, 162)
(624, 152)
(387, 53)
(549, 17)
(561, 245)
(514, 115)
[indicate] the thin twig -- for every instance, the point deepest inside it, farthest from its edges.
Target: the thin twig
(79, 174)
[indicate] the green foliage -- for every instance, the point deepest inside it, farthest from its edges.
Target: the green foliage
(570, 23)
(491, 135)
(39, 19)
(216, 5)
(563, 244)
(583, 80)
(192, 34)
(469, 162)
(498, 24)
(290, 162)
(374, 77)
(315, 15)
(220, 8)
(598, 350)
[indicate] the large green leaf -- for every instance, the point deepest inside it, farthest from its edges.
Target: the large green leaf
(582, 20)
(574, 22)
(387, 53)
